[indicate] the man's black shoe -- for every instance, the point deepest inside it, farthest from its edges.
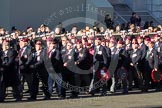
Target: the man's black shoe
(31, 99)
(47, 98)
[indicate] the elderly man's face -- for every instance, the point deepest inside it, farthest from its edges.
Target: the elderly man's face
(2, 32)
(42, 29)
(52, 45)
(97, 42)
(119, 45)
(64, 41)
(156, 39)
(111, 44)
(146, 42)
(139, 41)
(57, 31)
(69, 46)
(38, 47)
(150, 45)
(22, 44)
(78, 45)
(103, 43)
(127, 41)
(134, 45)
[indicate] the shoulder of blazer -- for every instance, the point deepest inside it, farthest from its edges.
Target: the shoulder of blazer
(28, 49)
(154, 50)
(83, 50)
(55, 52)
(10, 52)
(139, 51)
(102, 48)
(72, 52)
(44, 49)
(115, 49)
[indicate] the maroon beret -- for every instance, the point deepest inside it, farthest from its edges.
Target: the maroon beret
(147, 39)
(120, 42)
(24, 39)
(139, 37)
(103, 40)
(87, 44)
(90, 38)
(135, 42)
(38, 43)
(156, 35)
(151, 42)
(79, 41)
(49, 39)
(72, 37)
(98, 38)
(128, 38)
(107, 40)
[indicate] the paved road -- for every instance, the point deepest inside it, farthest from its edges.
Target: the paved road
(134, 99)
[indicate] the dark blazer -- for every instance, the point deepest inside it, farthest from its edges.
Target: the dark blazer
(160, 53)
(83, 58)
(62, 54)
(128, 48)
(123, 59)
(108, 52)
(1, 74)
(35, 62)
(135, 57)
(69, 59)
(25, 59)
(62, 51)
(38, 64)
(10, 73)
(143, 49)
(53, 59)
(113, 50)
(100, 57)
(15, 44)
(152, 60)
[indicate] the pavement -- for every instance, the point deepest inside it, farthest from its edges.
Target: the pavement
(135, 99)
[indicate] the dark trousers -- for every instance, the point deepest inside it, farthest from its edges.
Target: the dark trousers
(147, 77)
(97, 83)
(78, 81)
(67, 79)
(51, 81)
(15, 88)
(135, 72)
(28, 77)
(35, 85)
(117, 82)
